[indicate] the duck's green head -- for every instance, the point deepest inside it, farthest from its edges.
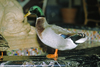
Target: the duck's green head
(35, 10)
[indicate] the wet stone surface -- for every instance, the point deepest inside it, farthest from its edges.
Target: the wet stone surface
(69, 61)
(73, 58)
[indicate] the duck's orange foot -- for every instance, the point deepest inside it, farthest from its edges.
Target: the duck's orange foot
(52, 56)
(1, 58)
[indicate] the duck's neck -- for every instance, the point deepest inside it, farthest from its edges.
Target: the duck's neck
(39, 12)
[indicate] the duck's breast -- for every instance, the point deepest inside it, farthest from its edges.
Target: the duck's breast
(39, 26)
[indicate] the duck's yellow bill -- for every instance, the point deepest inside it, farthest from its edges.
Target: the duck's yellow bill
(27, 14)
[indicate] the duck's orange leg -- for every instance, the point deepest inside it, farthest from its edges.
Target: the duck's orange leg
(54, 56)
(1, 55)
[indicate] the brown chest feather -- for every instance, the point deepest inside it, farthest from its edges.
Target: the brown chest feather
(39, 26)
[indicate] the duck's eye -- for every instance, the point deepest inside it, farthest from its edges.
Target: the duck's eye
(32, 10)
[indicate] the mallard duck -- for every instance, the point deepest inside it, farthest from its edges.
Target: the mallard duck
(53, 35)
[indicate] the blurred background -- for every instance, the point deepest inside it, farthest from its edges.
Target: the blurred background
(66, 13)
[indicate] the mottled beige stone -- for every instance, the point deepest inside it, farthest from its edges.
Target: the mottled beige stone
(12, 21)
(14, 27)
